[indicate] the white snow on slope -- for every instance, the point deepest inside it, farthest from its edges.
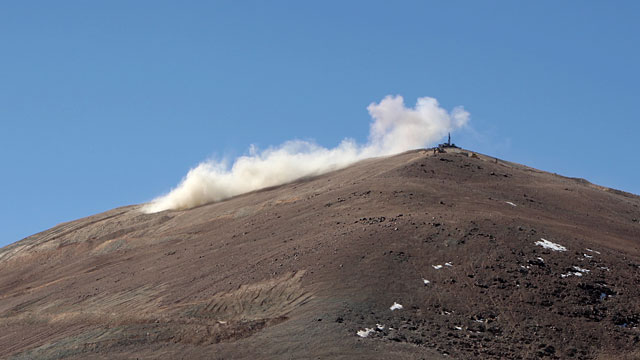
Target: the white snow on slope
(366, 332)
(510, 203)
(437, 267)
(571, 274)
(576, 268)
(550, 245)
(578, 272)
(395, 306)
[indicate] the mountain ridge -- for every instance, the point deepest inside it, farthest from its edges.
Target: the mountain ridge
(282, 272)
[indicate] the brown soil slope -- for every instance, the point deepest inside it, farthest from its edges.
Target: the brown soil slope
(297, 270)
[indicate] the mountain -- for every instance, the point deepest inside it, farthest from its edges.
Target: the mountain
(420, 255)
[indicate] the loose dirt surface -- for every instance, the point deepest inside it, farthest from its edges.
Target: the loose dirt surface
(298, 271)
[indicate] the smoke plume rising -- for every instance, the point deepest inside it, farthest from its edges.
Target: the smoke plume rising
(394, 129)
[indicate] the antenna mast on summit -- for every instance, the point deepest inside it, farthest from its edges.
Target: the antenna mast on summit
(448, 144)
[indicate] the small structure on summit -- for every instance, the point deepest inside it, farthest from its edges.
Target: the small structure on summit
(448, 144)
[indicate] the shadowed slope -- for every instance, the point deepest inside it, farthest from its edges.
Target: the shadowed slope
(297, 270)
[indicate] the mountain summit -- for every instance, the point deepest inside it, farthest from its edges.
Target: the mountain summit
(424, 254)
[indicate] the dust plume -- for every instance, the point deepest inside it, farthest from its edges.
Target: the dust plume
(394, 129)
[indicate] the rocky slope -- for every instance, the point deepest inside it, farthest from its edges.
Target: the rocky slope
(488, 259)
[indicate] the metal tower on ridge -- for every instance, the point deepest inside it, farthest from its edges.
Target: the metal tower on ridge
(448, 144)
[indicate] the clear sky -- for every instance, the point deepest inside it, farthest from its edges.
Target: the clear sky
(105, 104)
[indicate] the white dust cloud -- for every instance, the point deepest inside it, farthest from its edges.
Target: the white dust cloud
(395, 128)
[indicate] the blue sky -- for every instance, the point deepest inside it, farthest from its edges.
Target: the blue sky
(104, 104)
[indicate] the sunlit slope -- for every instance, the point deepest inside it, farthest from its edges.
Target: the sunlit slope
(487, 258)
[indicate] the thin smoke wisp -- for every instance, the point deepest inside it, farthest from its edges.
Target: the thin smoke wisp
(394, 129)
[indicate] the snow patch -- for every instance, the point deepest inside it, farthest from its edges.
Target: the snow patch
(510, 203)
(395, 306)
(587, 256)
(581, 269)
(458, 327)
(437, 267)
(366, 332)
(380, 327)
(448, 264)
(426, 282)
(550, 245)
(571, 274)
(593, 251)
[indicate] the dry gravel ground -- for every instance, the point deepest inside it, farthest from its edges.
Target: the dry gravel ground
(295, 271)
